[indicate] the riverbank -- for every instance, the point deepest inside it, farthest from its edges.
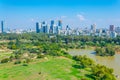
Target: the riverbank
(109, 61)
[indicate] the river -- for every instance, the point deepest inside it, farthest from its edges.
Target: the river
(109, 61)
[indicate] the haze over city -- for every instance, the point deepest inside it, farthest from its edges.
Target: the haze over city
(75, 13)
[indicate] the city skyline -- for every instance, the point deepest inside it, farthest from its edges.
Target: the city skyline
(57, 29)
(75, 13)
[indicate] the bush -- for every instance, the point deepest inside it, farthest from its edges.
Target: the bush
(11, 57)
(28, 60)
(17, 62)
(84, 61)
(66, 54)
(5, 60)
(17, 56)
(100, 72)
(54, 53)
(105, 51)
(25, 65)
(40, 56)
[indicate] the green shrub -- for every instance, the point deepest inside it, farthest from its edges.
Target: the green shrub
(40, 56)
(25, 64)
(11, 57)
(28, 60)
(17, 56)
(17, 62)
(5, 60)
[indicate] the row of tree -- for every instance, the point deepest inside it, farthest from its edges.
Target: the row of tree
(89, 40)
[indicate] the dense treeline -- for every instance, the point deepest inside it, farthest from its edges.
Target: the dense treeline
(83, 40)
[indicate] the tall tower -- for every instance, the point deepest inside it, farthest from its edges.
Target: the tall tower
(37, 27)
(52, 26)
(60, 24)
(52, 22)
(47, 28)
(67, 27)
(111, 28)
(44, 27)
(2, 27)
(93, 28)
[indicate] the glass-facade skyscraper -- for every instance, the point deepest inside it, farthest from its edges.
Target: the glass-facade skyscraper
(93, 28)
(60, 24)
(46, 28)
(112, 28)
(2, 26)
(37, 27)
(52, 26)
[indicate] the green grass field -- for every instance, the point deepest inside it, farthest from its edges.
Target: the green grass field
(52, 68)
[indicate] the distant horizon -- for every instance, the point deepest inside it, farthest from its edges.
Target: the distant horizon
(75, 13)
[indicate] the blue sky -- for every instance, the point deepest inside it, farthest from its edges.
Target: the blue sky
(76, 13)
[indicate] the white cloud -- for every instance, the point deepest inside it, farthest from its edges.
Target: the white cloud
(81, 17)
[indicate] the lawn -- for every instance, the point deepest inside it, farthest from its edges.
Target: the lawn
(52, 68)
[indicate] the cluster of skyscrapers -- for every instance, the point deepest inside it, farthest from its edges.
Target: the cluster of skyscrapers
(56, 27)
(43, 27)
(111, 32)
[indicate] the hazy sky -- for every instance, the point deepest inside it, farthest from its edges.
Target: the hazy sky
(76, 13)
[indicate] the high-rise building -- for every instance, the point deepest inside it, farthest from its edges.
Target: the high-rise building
(52, 22)
(47, 28)
(44, 22)
(59, 27)
(117, 29)
(52, 26)
(67, 27)
(93, 28)
(68, 30)
(113, 34)
(44, 26)
(54, 29)
(37, 27)
(60, 24)
(42, 29)
(2, 26)
(111, 28)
